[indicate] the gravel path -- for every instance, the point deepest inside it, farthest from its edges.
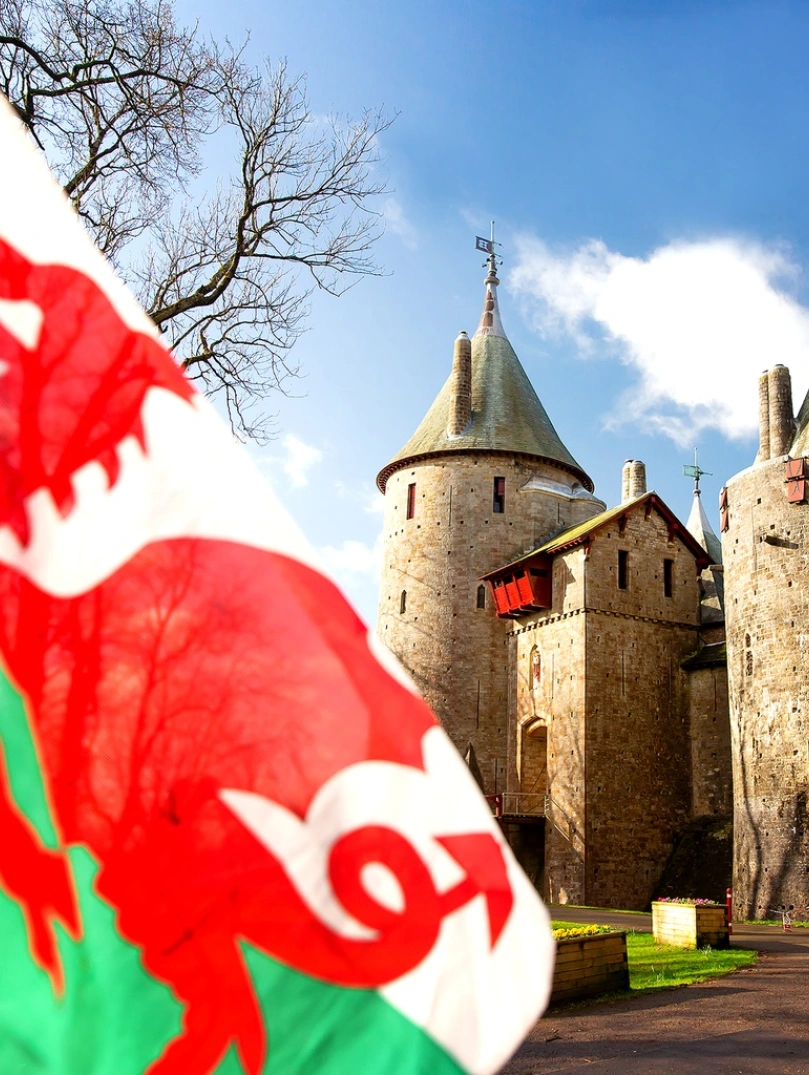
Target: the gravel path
(753, 1022)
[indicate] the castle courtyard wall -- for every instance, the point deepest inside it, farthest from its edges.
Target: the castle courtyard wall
(766, 559)
(709, 738)
(547, 725)
(637, 752)
(615, 701)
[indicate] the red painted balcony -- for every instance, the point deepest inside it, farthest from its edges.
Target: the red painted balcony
(523, 589)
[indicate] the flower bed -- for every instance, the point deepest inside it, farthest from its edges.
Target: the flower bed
(589, 962)
(690, 923)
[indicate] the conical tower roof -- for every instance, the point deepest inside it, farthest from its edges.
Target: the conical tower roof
(507, 415)
(699, 527)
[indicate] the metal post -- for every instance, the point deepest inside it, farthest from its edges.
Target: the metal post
(729, 901)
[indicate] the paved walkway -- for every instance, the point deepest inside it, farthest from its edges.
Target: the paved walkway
(753, 1022)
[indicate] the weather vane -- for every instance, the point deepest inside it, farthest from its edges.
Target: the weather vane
(488, 246)
(695, 472)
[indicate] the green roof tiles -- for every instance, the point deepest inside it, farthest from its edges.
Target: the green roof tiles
(507, 416)
(574, 535)
(570, 536)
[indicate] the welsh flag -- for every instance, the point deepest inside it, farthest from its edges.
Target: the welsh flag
(233, 838)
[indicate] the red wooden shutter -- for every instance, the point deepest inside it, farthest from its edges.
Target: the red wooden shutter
(794, 479)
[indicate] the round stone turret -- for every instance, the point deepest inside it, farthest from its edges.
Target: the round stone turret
(461, 498)
(765, 550)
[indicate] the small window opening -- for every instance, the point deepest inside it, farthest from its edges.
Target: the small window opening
(411, 500)
(403, 601)
(499, 499)
(623, 569)
(668, 577)
(536, 668)
(481, 596)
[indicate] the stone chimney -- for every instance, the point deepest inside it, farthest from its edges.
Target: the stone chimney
(781, 420)
(633, 480)
(763, 418)
(460, 397)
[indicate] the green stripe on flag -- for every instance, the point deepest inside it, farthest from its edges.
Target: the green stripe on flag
(313, 1027)
(25, 776)
(114, 1019)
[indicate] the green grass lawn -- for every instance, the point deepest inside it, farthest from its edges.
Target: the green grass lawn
(662, 966)
(776, 922)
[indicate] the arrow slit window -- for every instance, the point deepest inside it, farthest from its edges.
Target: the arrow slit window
(411, 500)
(668, 577)
(623, 569)
(499, 498)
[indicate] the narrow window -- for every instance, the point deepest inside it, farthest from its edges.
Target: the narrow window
(481, 596)
(403, 601)
(536, 668)
(411, 500)
(499, 499)
(623, 568)
(668, 577)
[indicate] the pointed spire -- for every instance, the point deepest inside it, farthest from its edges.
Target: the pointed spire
(490, 323)
(699, 527)
(487, 403)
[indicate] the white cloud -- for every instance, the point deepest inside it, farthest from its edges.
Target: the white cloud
(354, 558)
(367, 496)
(298, 459)
(374, 502)
(696, 321)
(397, 223)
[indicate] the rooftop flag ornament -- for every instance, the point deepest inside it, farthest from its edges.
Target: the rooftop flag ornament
(695, 472)
(234, 839)
(487, 246)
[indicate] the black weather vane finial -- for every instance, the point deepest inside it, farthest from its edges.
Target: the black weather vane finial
(488, 246)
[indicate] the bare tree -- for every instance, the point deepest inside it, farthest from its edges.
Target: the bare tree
(127, 107)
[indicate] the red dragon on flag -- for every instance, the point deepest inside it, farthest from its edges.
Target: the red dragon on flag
(234, 837)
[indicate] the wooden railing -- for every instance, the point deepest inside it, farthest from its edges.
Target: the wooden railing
(517, 804)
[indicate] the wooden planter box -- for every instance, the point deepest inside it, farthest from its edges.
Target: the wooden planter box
(690, 925)
(587, 966)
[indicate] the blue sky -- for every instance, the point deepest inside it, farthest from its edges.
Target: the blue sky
(646, 163)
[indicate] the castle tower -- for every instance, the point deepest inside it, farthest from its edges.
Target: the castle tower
(765, 544)
(484, 478)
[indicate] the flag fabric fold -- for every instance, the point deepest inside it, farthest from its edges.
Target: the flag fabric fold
(235, 840)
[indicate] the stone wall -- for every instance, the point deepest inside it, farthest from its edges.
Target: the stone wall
(766, 559)
(615, 703)
(454, 649)
(711, 777)
(557, 704)
(637, 759)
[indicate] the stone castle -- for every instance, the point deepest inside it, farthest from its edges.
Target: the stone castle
(576, 653)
